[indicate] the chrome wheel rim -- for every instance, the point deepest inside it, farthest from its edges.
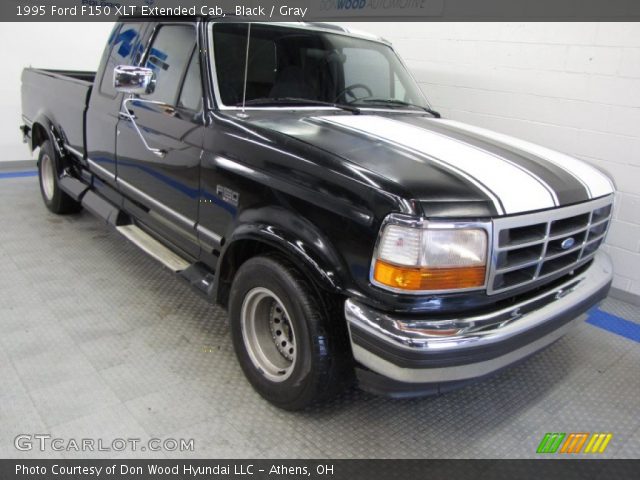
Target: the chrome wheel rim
(268, 334)
(47, 176)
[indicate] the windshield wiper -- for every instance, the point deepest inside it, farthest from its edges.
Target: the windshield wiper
(400, 103)
(300, 101)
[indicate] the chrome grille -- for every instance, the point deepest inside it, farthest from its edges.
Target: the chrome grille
(534, 247)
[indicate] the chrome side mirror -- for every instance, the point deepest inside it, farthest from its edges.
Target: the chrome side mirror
(135, 80)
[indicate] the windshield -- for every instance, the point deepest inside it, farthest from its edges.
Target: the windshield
(293, 64)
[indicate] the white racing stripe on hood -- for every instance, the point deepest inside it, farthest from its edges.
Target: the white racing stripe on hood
(505, 184)
(595, 182)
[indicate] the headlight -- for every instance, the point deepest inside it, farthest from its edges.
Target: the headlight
(434, 257)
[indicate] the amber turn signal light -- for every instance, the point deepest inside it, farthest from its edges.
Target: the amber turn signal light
(425, 278)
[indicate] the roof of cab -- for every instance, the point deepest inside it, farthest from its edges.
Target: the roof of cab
(339, 29)
(319, 26)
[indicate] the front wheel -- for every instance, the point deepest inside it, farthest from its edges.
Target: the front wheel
(49, 169)
(288, 349)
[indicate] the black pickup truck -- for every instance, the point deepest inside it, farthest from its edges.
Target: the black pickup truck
(297, 176)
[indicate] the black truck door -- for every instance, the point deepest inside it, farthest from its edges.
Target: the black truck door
(124, 47)
(159, 162)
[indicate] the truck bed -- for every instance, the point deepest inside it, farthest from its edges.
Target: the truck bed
(60, 95)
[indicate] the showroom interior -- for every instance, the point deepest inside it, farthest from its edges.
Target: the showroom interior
(99, 339)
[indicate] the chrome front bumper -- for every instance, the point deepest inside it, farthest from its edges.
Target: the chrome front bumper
(409, 350)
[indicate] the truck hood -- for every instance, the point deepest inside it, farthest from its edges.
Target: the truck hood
(451, 168)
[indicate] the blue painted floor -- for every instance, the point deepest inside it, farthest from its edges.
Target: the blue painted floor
(18, 174)
(614, 324)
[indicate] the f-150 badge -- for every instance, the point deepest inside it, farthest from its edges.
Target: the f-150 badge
(227, 195)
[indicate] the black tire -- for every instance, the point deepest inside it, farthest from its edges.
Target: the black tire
(321, 366)
(49, 169)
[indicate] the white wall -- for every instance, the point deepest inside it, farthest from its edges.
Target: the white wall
(574, 87)
(72, 46)
(570, 86)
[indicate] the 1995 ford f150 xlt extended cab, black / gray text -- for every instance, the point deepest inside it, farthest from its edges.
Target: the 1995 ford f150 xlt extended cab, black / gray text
(297, 176)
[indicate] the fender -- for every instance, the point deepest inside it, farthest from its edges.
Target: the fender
(52, 132)
(72, 184)
(294, 236)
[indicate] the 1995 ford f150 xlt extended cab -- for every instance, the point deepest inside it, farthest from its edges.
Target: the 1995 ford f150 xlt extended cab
(298, 177)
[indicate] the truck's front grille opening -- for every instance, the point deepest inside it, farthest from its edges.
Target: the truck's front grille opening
(519, 257)
(541, 246)
(567, 225)
(601, 213)
(522, 235)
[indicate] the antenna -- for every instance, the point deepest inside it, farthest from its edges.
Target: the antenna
(246, 69)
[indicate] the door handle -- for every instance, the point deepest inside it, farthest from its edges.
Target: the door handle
(169, 110)
(128, 115)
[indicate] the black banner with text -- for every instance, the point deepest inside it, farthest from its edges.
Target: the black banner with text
(325, 10)
(319, 469)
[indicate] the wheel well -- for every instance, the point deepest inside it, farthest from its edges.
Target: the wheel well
(38, 136)
(237, 253)
(242, 250)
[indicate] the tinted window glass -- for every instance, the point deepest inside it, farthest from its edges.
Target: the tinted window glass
(125, 45)
(191, 95)
(168, 57)
(370, 68)
(287, 62)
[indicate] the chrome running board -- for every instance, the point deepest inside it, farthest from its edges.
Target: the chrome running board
(154, 248)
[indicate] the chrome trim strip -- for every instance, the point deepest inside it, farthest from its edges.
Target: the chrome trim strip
(463, 372)
(479, 332)
(153, 203)
(532, 243)
(595, 224)
(553, 256)
(208, 233)
(101, 169)
(595, 239)
(512, 268)
(73, 150)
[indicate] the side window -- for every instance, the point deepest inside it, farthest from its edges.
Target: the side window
(125, 45)
(168, 57)
(191, 94)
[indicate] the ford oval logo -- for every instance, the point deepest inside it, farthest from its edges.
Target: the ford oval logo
(567, 243)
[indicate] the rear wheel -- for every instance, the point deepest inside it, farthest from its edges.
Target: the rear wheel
(289, 351)
(49, 169)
